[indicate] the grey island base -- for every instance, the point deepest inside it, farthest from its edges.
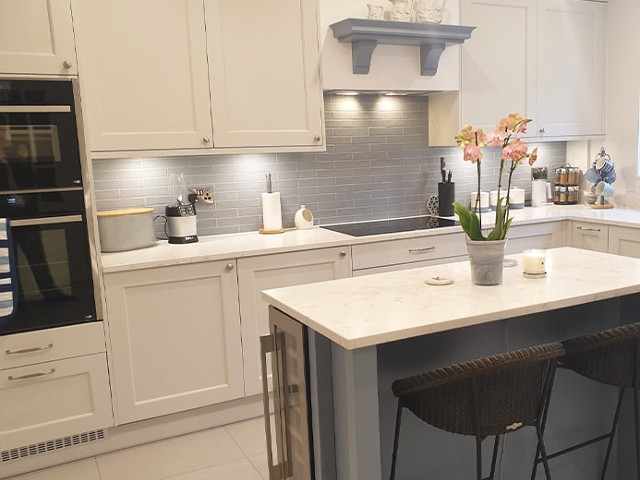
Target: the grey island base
(361, 334)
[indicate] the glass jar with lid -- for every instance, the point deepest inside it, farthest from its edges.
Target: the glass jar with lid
(573, 175)
(562, 176)
(572, 195)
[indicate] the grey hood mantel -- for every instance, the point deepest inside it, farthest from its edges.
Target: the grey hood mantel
(365, 35)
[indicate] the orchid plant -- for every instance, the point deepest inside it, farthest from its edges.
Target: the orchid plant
(514, 152)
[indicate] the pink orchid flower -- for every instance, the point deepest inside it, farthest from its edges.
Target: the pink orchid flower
(515, 151)
(533, 156)
(472, 153)
(496, 138)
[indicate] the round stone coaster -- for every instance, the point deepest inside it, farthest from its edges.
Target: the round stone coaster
(437, 281)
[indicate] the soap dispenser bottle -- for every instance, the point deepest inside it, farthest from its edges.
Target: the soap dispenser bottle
(303, 218)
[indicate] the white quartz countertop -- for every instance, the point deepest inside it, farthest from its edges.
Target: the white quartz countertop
(223, 247)
(374, 309)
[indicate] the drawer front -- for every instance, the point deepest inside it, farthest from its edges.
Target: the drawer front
(406, 266)
(541, 235)
(54, 399)
(408, 250)
(590, 236)
(53, 344)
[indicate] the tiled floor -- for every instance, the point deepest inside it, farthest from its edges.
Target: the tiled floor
(233, 452)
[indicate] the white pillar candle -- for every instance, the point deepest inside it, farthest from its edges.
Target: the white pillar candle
(534, 262)
(484, 200)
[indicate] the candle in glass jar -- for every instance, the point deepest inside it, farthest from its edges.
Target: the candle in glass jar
(534, 262)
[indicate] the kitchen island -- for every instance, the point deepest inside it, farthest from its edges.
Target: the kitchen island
(363, 333)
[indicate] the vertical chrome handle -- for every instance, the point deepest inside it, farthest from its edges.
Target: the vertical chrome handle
(267, 345)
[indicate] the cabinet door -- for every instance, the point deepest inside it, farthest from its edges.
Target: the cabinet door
(624, 241)
(143, 71)
(498, 61)
(264, 69)
(541, 235)
(36, 37)
(175, 338)
(273, 271)
(54, 399)
(590, 236)
(571, 63)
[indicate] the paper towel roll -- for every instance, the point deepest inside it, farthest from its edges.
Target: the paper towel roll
(271, 211)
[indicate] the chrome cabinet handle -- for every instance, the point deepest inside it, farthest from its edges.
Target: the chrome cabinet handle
(267, 345)
(206, 139)
(229, 267)
(32, 375)
(29, 350)
(343, 253)
(587, 229)
(542, 130)
(35, 109)
(422, 250)
(67, 64)
(317, 138)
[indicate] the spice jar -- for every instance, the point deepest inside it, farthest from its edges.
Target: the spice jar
(573, 176)
(572, 195)
(560, 195)
(562, 175)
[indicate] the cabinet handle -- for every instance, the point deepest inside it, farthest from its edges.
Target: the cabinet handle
(267, 345)
(29, 350)
(67, 64)
(542, 130)
(422, 250)
(587, 229)
(206, 139)
(32, 375)
(229, 267)
(317, 138)
(343, 253)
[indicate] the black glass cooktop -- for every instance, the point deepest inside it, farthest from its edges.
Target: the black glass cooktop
(377, 227)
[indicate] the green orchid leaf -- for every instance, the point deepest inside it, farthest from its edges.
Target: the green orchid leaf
(469, 221)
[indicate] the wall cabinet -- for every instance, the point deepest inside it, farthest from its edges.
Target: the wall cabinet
(36, 37)
(624, 241)
(53, 383)
(175, 338)
(273, 271)
(590, 236)
(500, 76)
(182, 77)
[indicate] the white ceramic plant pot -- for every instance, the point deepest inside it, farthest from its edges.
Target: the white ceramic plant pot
(486, 259)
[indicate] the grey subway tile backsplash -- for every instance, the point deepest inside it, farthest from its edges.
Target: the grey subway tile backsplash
(377, 165)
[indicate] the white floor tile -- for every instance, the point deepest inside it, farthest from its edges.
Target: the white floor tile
(236, 470)
(171, 457)
(249, 435)
(82, 470)
(261, 463)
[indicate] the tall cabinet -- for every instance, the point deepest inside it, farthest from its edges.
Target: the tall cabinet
(36, 37)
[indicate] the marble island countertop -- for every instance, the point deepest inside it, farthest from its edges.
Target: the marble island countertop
(223, 247)
(370, 310)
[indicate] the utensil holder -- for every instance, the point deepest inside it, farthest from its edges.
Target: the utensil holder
(446, 197)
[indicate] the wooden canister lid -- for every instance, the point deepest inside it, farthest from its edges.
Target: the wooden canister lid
(124, 211)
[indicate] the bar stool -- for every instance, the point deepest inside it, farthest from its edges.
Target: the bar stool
(491, 396)
(610, 357)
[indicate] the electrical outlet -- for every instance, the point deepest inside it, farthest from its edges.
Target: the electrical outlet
(204, 194)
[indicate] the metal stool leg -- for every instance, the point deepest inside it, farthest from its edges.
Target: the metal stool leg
(479, 457)
(612, 433)
(543, 452)
(636, 417)
(494, 458)
(395, 441)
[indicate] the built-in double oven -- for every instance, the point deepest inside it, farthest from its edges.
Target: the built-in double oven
(42, 196)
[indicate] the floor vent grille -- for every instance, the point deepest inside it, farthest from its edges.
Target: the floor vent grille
(51, 445)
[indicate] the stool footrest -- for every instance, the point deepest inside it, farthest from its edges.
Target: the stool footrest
(575, 447)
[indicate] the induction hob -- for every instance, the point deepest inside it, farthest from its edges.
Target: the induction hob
(394, 225)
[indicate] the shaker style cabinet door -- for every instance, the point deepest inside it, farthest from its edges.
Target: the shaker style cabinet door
(143, 74)
(175, 338)
(624, 241)
(265, 74)
(274, 271)
(571, 66)
(36, 37)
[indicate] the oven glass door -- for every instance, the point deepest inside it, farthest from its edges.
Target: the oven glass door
(55, 286)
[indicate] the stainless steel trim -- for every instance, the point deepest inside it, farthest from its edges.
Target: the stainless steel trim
(29, 350)
(422, 250)
(587, 229)
(27, 222)
(267, 345)
(35, 109)
(32, 375)
(41, 190)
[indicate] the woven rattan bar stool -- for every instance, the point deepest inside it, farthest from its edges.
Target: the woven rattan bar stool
(491, 396)
(611, 357)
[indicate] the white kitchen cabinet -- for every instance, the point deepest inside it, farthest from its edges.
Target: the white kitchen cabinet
(590, 236)
(624, 241)
(55, 399)
(552, 74)
(540, 235)
(274, 271)
(36, 37)
(175, 338)
(571, 43)
(265, 75)
(143, 74)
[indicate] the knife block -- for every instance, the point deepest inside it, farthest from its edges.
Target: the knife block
(446, 197)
